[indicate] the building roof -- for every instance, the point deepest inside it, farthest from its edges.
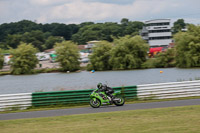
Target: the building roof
(95, 41)
(81, 47)
(49, 50)
(157, 21)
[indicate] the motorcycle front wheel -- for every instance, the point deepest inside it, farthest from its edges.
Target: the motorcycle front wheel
(95, 103)
(119, 101)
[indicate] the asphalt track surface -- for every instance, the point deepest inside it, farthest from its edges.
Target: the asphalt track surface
(88, 110)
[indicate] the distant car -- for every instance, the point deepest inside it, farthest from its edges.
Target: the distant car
(42, 56)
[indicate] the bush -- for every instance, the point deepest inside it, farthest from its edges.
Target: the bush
(23, 59)
(67, 55)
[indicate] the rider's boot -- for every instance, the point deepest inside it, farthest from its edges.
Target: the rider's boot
(111, 99)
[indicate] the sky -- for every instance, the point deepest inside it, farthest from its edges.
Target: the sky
(98, 11)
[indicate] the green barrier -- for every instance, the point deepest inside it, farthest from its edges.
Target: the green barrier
(75, 96)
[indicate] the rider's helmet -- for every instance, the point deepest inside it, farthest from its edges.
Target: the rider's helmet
(99, 85)
(104, 85)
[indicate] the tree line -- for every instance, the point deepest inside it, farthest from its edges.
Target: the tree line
(44, 36)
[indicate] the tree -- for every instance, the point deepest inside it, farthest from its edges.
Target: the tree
(188, 47)
(23, 59)
(51, 41)
(132, 28)
(100, 31)
(3, 45)
(18, 28)
(13, 40)
(1, 59)
(86, 23)
(129, 53)
(36, 38)
(124, 21)
(67, 55)
(166, 58)
(88, 33)
(178, 25)
(99, 60)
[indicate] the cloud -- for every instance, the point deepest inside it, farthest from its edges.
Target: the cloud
(97, 11)
(2, 7)
(77, 11)
(48, 2)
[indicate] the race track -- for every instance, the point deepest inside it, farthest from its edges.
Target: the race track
(87, 110)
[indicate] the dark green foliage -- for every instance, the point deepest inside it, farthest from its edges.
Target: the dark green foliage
(106, 31)
(131, 28)
(86, 23)
(67, 55)
(30, 32)
(17, 28)
(13, 40)
(3, 45)
(36, 38)
(188, 47)
(23, 59)
(51, 41)
(179, 25)
(96, 32)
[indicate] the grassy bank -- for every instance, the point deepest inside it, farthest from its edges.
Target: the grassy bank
(166, 120)
(5, 73)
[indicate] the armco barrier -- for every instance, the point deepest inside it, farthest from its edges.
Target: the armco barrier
(21, 100)
(75, 96)
(169, 90)
(60, 97)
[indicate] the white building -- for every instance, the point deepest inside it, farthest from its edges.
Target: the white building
(157, 32)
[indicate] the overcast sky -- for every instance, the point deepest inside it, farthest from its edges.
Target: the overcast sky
(78, 11)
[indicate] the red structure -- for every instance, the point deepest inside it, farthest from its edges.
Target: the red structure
(154, 51)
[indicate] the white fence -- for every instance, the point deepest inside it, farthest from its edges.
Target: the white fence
(169, 90)
(10, 101)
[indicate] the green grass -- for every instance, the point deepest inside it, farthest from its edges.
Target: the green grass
(5, 73)
(164, 120)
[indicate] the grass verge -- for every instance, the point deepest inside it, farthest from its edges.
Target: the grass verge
(164, 120)
(5, 73)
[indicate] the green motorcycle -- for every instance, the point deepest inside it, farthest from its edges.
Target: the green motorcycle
(98, 99)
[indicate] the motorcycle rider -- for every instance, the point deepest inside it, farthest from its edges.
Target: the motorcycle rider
(108, 90)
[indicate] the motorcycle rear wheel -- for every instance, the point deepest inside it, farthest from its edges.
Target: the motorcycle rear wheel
(95, 104)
